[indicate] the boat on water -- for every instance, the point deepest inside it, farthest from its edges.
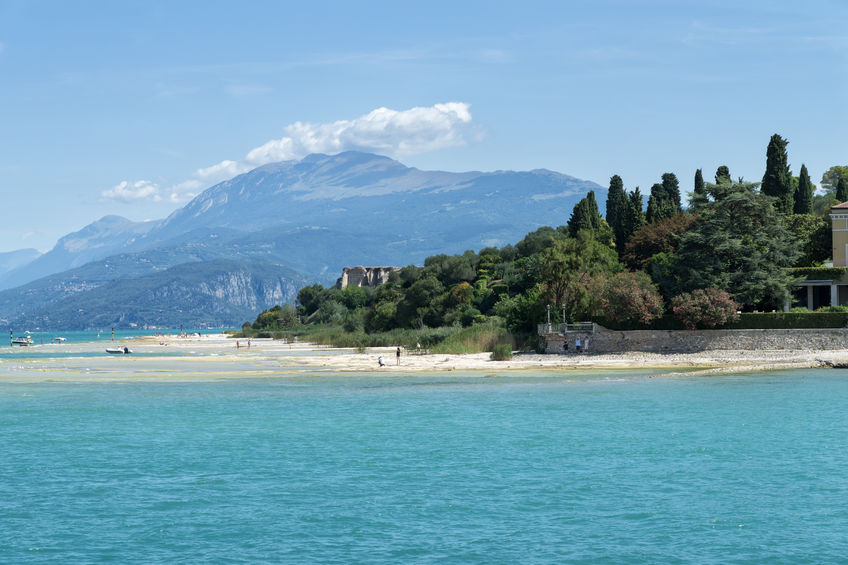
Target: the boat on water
(22, 341)
(118, 350)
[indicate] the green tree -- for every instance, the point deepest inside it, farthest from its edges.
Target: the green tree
(740, 245)
(777, 180)
(842, 190)
(722, 175)
(813, 234)
(617, 213)
(699, 194)
(671, 186)
(804, 193)
(564, 265)
(585, 215)
(659, 206)
(635, 213)
(660, 237)
(831, 177)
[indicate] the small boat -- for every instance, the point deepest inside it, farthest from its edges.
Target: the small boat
(59, 340)
(22, 341)
(118, 350)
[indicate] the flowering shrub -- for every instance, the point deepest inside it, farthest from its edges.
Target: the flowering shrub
(705, 307)
(625, 297)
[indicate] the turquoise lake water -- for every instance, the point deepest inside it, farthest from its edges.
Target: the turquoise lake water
(584, 467)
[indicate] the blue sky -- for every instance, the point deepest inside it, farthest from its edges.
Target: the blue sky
(131, 107)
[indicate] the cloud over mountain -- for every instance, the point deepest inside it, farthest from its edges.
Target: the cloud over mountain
(385, 131)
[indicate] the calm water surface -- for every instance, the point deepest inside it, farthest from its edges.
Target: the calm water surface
(576, 468)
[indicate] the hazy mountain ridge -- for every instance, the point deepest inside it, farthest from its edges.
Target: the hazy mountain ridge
(315, 216)
(99, 239)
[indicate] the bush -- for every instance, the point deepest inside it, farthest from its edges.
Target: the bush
(789, 320)
(704, 307)
(625, 298)
(501, 352)
(833, 309)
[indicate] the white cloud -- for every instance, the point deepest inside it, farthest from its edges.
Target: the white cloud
(127, 191)
(384, 131)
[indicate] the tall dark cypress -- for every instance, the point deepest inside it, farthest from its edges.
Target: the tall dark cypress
(777, 180)
(722, 175)
(635, 213)
(804, 193)
(585, 215)
(660, 205)
(699, 194)
(617, 212)
(671, 186)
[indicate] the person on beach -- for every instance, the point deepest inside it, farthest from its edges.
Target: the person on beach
(565, 347)
(380, 361)
(577, 345)
(397, 355)
(237, 344)
(585, 345)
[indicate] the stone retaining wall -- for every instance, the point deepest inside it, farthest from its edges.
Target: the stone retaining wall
(661, 341)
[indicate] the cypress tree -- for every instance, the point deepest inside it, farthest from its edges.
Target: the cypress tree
(842, 190)
(585, 215)
(659, 204)
(671, 187)
(635, 215)
(777, 180)
(617, 212)
(804, 193)
(722, 175)
(699, 195)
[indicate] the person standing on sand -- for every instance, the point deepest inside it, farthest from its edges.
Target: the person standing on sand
(565, 347)
(577, 345)
(585, 345)
(397, 355)
(380, 361)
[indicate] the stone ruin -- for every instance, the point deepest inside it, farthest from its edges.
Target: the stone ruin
(365, 276)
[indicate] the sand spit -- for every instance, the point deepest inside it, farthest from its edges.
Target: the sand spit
(315, 357)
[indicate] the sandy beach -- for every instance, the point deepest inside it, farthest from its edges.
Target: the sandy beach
(316, 357)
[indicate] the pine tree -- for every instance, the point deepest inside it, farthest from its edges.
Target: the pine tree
(739, 244)
(777, 180)
(804, 193)
(699, 194)
(617, 212)
(842, 190)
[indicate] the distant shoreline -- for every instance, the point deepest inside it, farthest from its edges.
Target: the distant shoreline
(318, 357)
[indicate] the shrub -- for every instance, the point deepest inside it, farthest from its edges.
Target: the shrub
(625, 298)
(704, 307)
(833, 309)
(501, 352)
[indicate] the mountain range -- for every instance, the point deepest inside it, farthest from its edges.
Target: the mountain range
(307, 218)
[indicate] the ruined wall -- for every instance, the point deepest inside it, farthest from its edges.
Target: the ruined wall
(365, 276)
(609, 341)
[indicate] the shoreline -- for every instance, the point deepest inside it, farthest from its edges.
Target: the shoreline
(324, 358)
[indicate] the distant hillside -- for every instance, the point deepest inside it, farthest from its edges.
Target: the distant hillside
(14, 259)
(202, 294)
(97, 240)
(323, 212)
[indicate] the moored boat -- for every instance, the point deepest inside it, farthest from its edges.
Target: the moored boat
(118, 350)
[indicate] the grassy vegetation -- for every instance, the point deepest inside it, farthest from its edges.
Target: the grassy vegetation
(474, 339)
(501, 352)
